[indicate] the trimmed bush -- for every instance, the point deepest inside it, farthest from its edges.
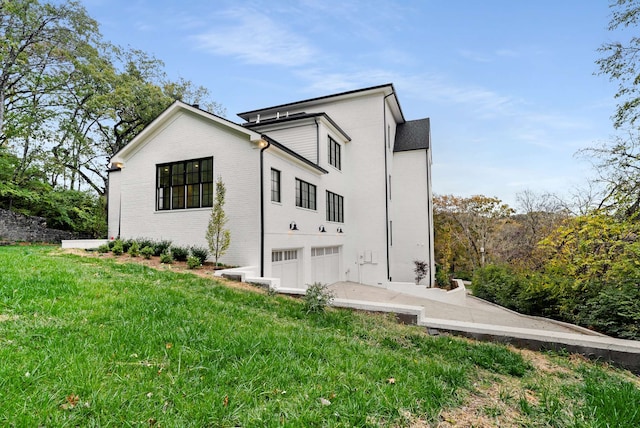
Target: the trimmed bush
(180, 253)
(193, 262)
(117, 248)
(145, 242)
(166, 258)
(134, 249)
(147, 252)
(104, 248)
(161, 247)
(200, 252)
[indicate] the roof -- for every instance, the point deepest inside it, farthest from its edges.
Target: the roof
(413, 135)
(387, 89)
(294, 117)
(168, 113)
(290, 152)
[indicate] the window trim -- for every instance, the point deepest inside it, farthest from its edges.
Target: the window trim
(186, 185)
(334, 153)
(276, 192)
(335, 207)
(300, 195)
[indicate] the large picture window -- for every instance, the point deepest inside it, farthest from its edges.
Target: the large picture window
(185, 184)
(275, 185)
(335, 207)
(305, 195)
(335, 157)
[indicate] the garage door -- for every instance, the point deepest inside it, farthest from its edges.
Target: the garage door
(325, 264)
(285, 265)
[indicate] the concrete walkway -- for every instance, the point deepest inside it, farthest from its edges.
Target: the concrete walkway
(476, 318)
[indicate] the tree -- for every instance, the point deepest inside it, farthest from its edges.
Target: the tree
(470, 223)
(218, 237)
(38, 43)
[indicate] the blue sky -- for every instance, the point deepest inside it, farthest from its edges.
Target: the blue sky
(509, 85)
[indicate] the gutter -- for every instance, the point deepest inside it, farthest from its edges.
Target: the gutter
(262, 205)
(386, 180)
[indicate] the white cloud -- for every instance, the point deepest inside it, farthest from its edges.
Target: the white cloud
(255, 38)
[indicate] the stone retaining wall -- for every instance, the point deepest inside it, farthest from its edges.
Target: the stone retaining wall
(18, 227)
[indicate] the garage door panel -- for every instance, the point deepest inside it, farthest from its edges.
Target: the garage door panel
(285, 265)
(325, 264)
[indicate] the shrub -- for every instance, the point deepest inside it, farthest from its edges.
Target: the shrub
(180, 253)
(145, 242)
(117, 248)
(112, 243)
(166, 258)
(126, 244)
(614, 311)
(200, 252)
(161, 247)
(104, 248)
(317, 297)
(147, 252)
(193, 262)
(421, 269)
(134, 249)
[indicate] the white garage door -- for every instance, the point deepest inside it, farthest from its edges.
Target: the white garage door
(325, 264)
(285, 265)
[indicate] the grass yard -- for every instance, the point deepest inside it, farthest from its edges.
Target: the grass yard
(90, 341)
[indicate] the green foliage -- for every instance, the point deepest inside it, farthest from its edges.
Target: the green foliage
(118, 248)
(217, 236)
(614, 310)
(147, 252)
(104, 248)
(180, 253)
(200, 252)
(193, 262)
(166, 258)
(161, 247)
(317, 297)
(134, 249)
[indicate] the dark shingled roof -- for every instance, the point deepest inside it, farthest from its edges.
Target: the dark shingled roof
(413, 135)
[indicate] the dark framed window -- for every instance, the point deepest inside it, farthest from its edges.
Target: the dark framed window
(305, 194)
(335, 156)
(184, 184)
(275, 185)
(335, 207)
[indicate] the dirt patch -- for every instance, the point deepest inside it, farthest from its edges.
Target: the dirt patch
(5, 318)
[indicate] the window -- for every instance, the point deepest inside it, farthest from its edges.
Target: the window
(305, 195)
(185, 184)
(275, 185)
(335, 207)
(335, 158)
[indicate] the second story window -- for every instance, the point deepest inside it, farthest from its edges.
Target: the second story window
(305, 195)
(275, 185)
(335, 207)
(335, 157)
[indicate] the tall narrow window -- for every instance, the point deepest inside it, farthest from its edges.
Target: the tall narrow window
(335, 207)
(305, 195)
(185, 184)
(335, 157)
(275, 185)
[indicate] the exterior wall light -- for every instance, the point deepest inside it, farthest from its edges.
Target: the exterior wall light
(262, 143)
(339, 230)
(293, 226)
(321, 228)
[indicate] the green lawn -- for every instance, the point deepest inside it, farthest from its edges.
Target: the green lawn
(87, 341)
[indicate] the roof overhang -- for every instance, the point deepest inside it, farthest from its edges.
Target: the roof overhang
(387, 90)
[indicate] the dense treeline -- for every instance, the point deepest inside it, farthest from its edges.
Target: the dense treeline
(68, 101)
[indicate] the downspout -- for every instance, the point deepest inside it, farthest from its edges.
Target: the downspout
(386, 180)
(317, 141)
(432, 267)
(262, 205)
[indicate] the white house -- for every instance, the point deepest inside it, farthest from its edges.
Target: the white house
(335, 188)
